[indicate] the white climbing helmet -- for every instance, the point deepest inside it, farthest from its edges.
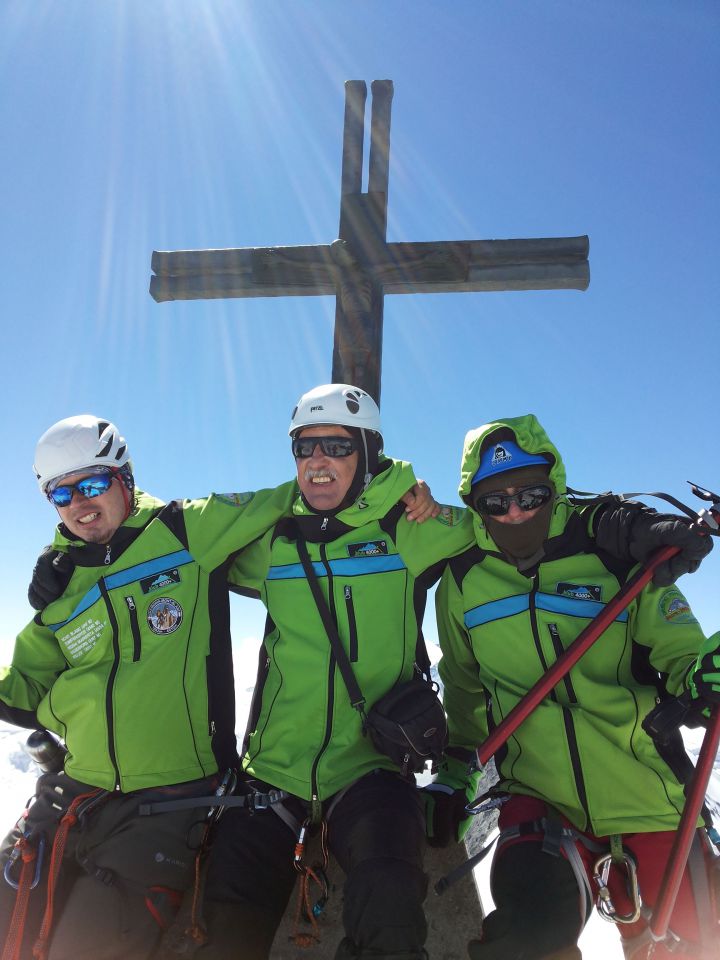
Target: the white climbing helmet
(337, 403)
(75, 444)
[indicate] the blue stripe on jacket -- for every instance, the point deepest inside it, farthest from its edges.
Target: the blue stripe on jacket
(124, 577)
(550, 602)
(347, 567)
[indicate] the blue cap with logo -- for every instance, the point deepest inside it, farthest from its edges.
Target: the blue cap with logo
(504, 456)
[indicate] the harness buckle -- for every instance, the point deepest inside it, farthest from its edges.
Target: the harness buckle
(601, 874)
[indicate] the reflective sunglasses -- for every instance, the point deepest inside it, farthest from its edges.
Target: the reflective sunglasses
(497, 504)
(303, 447)
(89, 487)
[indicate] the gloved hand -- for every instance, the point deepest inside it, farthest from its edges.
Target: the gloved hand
(454, 786)
(704, 681)
(51, 576)
(634, 531)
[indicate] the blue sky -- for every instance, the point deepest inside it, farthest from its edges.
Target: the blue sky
(135, 126)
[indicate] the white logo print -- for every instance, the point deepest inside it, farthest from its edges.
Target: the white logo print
(500, 455)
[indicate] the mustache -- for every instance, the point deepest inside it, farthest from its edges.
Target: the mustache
(322, 472)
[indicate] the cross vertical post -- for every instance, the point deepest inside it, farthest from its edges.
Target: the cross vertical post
(357, 347)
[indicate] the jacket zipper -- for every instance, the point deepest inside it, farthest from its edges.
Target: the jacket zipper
(331, 681)
(111, 682)
(534, 627)
(134, 628)
(559, 650)
(570, 725)
(350, 607)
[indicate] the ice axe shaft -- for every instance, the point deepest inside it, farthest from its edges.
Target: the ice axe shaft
(567, 660)
(686, 829)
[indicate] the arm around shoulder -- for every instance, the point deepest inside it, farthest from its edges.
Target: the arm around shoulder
(224, 523)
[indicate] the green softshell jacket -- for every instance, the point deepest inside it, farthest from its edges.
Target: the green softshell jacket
(132, 665)
(583, 749)
(373, 566)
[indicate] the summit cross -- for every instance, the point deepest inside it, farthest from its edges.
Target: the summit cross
(360, 267)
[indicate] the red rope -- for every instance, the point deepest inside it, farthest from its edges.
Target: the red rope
(68, 821)
(16, 930)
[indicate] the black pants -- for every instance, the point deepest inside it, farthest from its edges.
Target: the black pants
(537, 912)
(117, 872)
(376, 831)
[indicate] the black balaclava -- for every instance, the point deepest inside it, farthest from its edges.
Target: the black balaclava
(520, 542)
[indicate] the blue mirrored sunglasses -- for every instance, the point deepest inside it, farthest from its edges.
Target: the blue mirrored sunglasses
(89, 487)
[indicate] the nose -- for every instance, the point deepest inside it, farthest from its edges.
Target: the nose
(514, 510)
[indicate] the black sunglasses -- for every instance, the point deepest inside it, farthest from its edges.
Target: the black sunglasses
(89, 487)
(303, 447)
(497, 504)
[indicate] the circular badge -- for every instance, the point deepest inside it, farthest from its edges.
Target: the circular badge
(675, 608)
(164, 615)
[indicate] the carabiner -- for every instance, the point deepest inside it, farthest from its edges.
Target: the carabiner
(16, 855)
(605, 906)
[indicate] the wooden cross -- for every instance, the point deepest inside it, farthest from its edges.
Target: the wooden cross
(361, 267)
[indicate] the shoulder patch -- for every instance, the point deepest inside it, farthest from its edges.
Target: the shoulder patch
(236, 499)
(450, 516)
(674, 608)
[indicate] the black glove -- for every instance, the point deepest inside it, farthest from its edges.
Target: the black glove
(633, 531)
(51, 576)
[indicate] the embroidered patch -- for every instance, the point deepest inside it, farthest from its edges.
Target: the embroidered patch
(165, 579)
(450, 516)
(579, 591)
(370, 548)
(675, 608)
(236, 499)
(164, 616)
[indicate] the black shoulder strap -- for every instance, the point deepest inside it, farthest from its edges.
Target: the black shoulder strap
(343, 661)
(581, 498)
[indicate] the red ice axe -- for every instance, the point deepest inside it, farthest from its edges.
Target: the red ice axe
(686, 829)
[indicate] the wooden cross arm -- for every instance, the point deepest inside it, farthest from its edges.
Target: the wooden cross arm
(442, 267)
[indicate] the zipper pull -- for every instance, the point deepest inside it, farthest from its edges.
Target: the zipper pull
(108, 558)
(348, 592)
(130, 603)
(323, 525)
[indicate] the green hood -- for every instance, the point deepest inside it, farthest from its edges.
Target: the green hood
(531, 436)
(385, 489)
